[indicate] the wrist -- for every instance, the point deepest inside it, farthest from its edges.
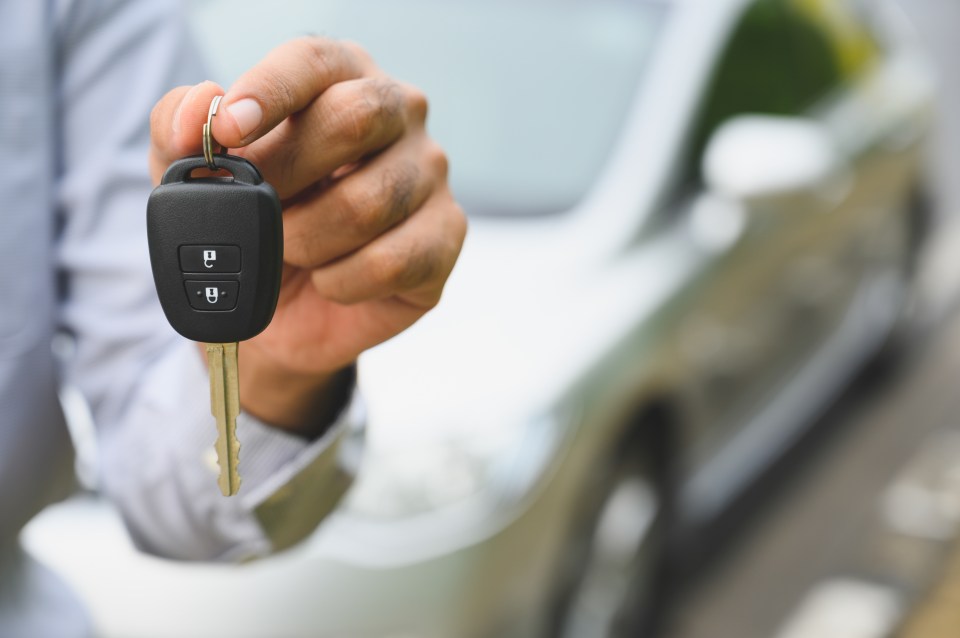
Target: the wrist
(305, 404)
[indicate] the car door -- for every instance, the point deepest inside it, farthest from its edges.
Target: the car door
(881, 119)
(768, 298)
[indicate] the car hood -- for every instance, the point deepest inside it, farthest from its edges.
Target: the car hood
(526, 312)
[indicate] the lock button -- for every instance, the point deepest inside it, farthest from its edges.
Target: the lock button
(210, 259)
(212, 295)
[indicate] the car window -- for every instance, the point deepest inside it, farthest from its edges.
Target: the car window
(527, 96)
(783, 57)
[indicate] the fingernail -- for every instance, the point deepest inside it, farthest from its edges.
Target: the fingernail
(248, 115)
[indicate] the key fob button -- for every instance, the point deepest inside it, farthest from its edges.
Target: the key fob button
(212, 295)
(210, 259)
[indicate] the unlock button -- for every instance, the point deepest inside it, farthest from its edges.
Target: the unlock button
(210, 258)
(212, 295)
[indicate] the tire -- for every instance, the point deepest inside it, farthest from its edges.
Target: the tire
(612, 581)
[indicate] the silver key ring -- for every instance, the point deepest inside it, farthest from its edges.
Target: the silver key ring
(208, 140)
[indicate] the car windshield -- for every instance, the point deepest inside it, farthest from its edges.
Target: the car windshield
(527, 97)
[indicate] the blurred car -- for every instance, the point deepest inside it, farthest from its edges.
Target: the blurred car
(693, 222)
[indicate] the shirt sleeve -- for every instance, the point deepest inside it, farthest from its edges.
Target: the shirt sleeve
(147, 386)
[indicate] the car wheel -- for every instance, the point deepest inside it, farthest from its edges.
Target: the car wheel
(611, 576)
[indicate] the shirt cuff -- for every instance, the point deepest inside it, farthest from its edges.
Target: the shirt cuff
(271, 456)
(292, 484)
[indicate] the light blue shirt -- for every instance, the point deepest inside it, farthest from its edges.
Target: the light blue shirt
(77, 82)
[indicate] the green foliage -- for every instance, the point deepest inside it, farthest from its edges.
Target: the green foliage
(777, 62)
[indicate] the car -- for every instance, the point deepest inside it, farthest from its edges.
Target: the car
(693, 222)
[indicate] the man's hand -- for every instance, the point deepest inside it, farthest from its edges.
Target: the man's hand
(371, 230)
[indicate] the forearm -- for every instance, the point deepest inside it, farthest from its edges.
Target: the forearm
(147, 387)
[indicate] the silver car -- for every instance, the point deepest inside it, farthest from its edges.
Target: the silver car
(693, 222)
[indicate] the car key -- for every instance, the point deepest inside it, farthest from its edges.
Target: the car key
(216, 248)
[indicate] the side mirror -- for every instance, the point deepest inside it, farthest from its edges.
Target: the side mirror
(759, 159)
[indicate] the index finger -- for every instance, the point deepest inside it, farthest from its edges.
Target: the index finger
(284, 82)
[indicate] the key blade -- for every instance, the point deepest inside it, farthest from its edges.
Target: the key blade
(225, 406)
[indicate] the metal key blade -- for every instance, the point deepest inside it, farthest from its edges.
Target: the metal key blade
(225, 405)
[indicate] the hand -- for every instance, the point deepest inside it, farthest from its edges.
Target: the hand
(371, 230)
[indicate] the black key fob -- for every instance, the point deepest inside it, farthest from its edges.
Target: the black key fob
(216, 247)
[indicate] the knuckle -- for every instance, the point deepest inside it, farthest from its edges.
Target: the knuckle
(360, 112)
(387, 268)
(398, 189)
(437, 159)
(357, 209)
(417, 103)
(281, 92)
(390, 97)
(459, 224)
(316, 50)
(400, 268)
(358, 116)
(366, 108)
(423, 266)
(356, 51)
(431, 302)
(420, 265)
(450, 239)
(371, 211)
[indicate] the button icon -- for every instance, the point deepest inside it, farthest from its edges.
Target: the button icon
(212, 295)
(210, 258)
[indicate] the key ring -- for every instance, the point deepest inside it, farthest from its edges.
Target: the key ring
(208, 140)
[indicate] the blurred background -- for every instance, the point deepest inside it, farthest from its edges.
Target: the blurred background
(695, 373)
